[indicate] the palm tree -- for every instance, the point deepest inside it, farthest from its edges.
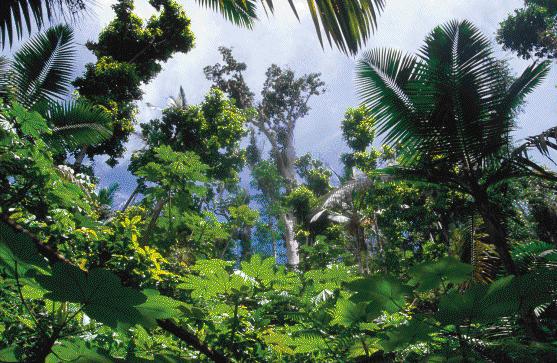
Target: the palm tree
(16, 16)
(38, 78)
(346, 23)
(179, 101)
(105, 198)
(451, 110)
(340, 207)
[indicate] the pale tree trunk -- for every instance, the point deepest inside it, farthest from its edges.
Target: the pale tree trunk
(285, 164)
(79, 158)
(273, 242)
(292, 255)
(284, 154)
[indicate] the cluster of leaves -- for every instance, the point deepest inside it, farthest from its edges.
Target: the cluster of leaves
(531, 31)
(129, 52)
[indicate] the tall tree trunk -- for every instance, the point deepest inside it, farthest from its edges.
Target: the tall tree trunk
(79, 158)
(285, 163)
(292, 253)
(498, 236)
(131, 198)
(154, 217)
(245, 240)
(496, 231)
(360, 246)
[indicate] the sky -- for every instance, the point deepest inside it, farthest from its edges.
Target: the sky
(283, 40)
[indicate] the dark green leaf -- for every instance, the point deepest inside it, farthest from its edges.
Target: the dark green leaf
(383, 293)
(430, 275)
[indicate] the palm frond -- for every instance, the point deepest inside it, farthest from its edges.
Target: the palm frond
(383, 78)
(514, 97)
(42, 68)
(426, 175)
(535, 255)
(453, 106)
(342, 196)
(239, 12)
(20, 16)
(461, 84)
(345, 23)
(106, 195)
(485, 261)
(4, 72)
(83, 134)
(543, 142)
(518, 166)
(178, 101)
(77, 123)
(530, 78)
(483, 256)
(345, 191)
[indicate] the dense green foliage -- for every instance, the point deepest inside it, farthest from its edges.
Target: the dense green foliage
(440, 245)
(129, 52)
(532, 30)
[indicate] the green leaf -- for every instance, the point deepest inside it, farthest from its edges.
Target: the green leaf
(18, 247)
(21, 17)
(42, 68)
(348, 314)
(281, 343)
(259, 269)
(430, 275)
(347, 24)
(9, 354)
(479, 303)
(383, 293)
(157, 307)
(32, 292)
(99, 291)
(534, 289)
(504, 297)
(76, 351)
(77, 123)
(413, 332)
(167, 358)
(240, 12)
(330, 278)
(31, 123)
(309, 343)
(213, 279)
(357, 349)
